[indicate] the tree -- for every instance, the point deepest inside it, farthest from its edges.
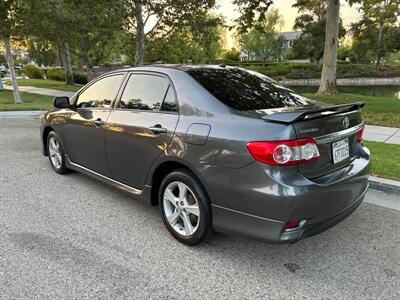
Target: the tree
(312, 24)
(232, 55)
(8, 21)
(100, 35)
(328, 76)
(262, 39)
(199, 41)
(250, 11)
(53, 21)
(267, 44)
(378, 27)
(168, 14)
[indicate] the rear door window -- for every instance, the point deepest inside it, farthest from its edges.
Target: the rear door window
(144, 92)
(246, 90)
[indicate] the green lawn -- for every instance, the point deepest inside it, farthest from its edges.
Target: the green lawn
(49, 84)
(31, 101)
(385, 159)
(383, 111)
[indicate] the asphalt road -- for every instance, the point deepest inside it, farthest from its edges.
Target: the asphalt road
(70, 237)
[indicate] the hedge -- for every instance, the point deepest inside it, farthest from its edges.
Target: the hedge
(59, 75)
(32, 72)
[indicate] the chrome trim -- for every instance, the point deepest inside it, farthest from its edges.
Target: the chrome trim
(249, 215)
(106, 179)
(338, 135)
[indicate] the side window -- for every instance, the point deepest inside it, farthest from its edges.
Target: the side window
(101, 93)
(145, 92)
(169, 103)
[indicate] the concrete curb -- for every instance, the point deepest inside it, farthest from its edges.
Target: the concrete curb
(384, 185)
(28, 113)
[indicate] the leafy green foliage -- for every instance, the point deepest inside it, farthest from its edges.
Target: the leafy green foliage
(262, 39)
(58, 74)
(232, 55)
(312, 24)
(251, 12)
(378, 32)
(32, 72)
(199, 41)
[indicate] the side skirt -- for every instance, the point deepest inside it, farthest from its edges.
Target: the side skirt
(140, 194)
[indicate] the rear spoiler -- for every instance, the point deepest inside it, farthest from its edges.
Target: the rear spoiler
(293, 116)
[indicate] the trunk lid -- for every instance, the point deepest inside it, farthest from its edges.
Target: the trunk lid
(332, 127)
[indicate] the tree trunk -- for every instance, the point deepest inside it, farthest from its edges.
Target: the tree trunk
(66, 60)
(86, 63)
(328, 76)
(379, 53)
(10, 61)
(139, 54)
(1, 84)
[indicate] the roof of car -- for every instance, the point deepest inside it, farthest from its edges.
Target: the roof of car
(183, 67)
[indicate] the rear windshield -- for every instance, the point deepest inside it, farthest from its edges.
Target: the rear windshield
(246, 90)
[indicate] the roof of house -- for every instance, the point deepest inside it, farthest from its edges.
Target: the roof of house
(290, 35)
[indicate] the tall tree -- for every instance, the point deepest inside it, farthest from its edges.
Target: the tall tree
(378, 25)
(151, 17)
(53, 21)
(8, 21)
(250, 12)
(328, 76)
(262, 39)
(199, 41)
(312, 24)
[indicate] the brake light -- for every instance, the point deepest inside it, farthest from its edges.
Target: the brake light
(360, 135)
(284, 153)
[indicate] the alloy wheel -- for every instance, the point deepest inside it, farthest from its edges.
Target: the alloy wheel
(55, 152)
(181, 208)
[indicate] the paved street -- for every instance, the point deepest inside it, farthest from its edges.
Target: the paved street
(72, 237)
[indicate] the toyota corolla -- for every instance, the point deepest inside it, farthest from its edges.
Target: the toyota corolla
(218, 149)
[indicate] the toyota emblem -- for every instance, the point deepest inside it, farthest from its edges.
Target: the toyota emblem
(346, 122)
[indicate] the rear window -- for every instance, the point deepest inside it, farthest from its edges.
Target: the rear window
(246, 90)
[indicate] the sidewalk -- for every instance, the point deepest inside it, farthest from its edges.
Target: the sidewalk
(41, 91)
(389, 135)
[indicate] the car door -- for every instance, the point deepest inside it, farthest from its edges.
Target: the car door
(83, 132)
(140, 127)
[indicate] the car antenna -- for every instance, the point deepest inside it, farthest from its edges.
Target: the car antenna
(222, 65)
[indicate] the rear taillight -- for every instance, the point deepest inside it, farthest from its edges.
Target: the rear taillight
(284, 153)
(360, 135)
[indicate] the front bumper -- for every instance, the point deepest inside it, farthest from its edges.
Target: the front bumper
(257, 200)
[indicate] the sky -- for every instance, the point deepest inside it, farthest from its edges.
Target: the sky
(227, 9)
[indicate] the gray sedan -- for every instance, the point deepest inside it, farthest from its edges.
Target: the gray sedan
(218, 149)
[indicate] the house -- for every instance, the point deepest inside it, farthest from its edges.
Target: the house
(289, 37)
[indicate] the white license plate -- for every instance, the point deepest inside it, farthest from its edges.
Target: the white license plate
(340, 150)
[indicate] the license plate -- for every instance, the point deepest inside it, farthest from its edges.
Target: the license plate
(340, 150)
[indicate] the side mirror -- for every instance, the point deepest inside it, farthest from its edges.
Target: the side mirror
(61, 102)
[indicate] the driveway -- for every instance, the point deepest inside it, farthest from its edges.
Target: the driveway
(70, 237)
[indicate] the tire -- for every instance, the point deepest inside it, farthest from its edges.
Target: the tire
(56, 153)
(180, 218)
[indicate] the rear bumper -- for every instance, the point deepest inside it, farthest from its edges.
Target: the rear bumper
(257, 201)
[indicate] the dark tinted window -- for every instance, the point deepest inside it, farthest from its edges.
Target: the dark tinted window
(169, 103)
(101, 93)
(145, 92)
(246, 90)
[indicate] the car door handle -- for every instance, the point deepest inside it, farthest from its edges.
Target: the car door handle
(99, 122)
(157, 129)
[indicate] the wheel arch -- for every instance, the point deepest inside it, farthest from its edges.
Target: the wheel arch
(164, 168)
(46, 132)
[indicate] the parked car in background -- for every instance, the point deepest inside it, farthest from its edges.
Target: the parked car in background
(3, 69)
(217, 148)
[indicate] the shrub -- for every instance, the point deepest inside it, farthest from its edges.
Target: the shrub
(32, 72)
(59, 75)
(56, 74)
(2, 74)
(80, 78)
